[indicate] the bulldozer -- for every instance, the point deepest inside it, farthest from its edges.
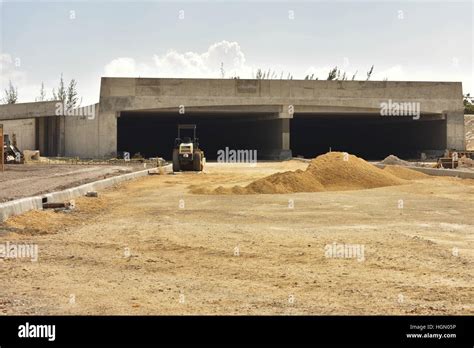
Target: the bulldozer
(186, 152)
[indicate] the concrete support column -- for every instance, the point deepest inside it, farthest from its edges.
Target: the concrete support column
(107, 134)
(455, 132)
(282, 151)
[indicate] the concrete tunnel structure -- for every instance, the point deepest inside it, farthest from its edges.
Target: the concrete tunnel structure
(278, 118)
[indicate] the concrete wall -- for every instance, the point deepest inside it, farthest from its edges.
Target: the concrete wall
(24, 129)
(76, 136)
(27, 110)
(307, 96)
(82, 135)
(443, 99)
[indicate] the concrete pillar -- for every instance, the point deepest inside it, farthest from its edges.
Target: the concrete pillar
(282, 149)
(107, 132)
(455, 132)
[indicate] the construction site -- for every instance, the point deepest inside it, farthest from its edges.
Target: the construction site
(229, 196)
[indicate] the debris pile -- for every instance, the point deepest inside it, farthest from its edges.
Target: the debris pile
(394, 160)
(333, 171)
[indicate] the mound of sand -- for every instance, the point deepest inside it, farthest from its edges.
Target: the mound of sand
(405, 173)
(335, 172)
(287, 182)
(394, 160)
(329, 172)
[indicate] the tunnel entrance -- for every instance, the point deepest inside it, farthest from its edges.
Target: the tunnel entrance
(368, 136)
(153, 134)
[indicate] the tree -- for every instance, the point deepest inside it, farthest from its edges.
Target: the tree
(468, 102)
(71, 95)
(332, 74)
(11, 94)
(369, 73)
(42, 96)
(222, 70)
(61, 95)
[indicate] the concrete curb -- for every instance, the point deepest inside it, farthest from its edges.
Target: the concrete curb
(22, 205)
(19, 206)
(437, 171)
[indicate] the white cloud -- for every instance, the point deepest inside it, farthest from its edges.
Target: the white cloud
(125, 67)
(10, 70)
(187, 64)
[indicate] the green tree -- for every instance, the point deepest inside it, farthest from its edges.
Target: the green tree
(42, 96)
(222, 70)
(71, 95)
(369, 73)
(11, 94)
(61, 95)
(332, 74)
(468, 102)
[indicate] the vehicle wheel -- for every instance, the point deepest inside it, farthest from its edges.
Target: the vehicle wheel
(197, 162)
(175, 161)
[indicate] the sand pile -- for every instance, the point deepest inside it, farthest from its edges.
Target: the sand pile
(405, 173)
(299, 181)
(335, 172)
(394, 160)
(330, 172)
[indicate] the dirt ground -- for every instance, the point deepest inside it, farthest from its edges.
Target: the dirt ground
(34, 179)
(151, 247)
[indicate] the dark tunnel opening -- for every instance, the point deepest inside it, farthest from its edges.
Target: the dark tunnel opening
(370, 137)
(153, 135)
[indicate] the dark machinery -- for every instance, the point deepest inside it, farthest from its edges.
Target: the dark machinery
(11, 154)
(186, 152)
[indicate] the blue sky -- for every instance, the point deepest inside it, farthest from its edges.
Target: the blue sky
(408, 40)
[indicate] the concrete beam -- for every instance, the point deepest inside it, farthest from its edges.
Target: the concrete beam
(28, 110)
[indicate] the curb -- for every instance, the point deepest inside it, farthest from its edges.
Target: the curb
(22, 205)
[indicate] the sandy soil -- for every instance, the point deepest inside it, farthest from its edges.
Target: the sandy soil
(134, 250)
(34, 179)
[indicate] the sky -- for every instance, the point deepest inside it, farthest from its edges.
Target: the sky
(85, 40)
